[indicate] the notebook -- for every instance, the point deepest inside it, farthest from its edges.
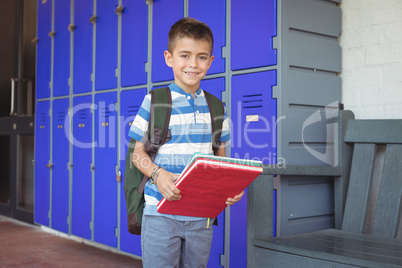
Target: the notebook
(207, 182)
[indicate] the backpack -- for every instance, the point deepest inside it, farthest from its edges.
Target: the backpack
(158, 133)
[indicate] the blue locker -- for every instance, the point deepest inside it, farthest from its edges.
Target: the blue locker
(42, 156)
(44, 49)
(106, 45)
(60, 171)
(61, 71)
(82, 175)
(252, 30)
(253, 137)
(105, 221)
(130, 104)
(83, 43)
(215, 18)
(216, 87)
(165, 14)
(134, 43)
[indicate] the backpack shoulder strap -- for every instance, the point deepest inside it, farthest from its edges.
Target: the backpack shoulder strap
(161, 109)
(216, 110)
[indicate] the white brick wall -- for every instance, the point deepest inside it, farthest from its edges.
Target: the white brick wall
(371, 44)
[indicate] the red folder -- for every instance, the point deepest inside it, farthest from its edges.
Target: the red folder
(206, 184)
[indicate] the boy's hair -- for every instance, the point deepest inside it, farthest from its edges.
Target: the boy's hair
(192, 28)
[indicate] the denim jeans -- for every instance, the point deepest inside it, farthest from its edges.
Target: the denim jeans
(167, 242)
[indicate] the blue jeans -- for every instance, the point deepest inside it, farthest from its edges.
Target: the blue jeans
(167, 242)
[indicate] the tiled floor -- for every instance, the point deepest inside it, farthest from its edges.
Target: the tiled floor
(25, 245)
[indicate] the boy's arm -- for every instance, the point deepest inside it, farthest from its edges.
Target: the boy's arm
(165, 181)
(230, 201)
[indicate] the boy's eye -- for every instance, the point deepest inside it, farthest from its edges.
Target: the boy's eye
(184, 56)
(203, 58)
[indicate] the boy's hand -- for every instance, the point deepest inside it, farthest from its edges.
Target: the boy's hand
(166, 186)
(235, 199)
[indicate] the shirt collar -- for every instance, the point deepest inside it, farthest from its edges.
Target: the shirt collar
(176, 88)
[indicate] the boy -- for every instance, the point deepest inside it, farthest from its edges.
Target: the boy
(171, 240)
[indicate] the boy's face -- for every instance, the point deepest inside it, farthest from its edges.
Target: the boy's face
(190, 61)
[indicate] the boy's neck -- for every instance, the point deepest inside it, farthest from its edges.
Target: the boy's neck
(187, 89)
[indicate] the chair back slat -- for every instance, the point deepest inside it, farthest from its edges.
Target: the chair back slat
(361, 176)
(388, 209)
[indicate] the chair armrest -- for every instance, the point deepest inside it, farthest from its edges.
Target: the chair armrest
(302, 170)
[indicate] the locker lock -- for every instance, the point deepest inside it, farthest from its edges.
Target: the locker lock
(71, 27)
(50, 165)
(93, 19)
(119, 10)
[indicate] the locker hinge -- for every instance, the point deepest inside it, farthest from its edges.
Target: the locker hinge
(69, 81)
(91, 226)
(71, 27)
(116, 72)
(275, 42)
(148, 2)
(69, 165)
(116, 232)
(223, 260)
(52, 34)
(93, 19)
(68, 220)
(119, 10)
(49, 214)
(92, 167)
(147, 66)
(275, 92)
(225, 52)
(92, 77)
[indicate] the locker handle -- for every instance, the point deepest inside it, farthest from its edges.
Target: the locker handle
(71, 27)
(118, 176)
(119, 10)
(50, 165)
(35, 40)
(93, 19)
(52, 34)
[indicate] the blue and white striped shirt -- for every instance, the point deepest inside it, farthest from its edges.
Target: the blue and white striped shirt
(190, 126)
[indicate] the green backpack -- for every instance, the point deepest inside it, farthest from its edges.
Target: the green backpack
(158, 134)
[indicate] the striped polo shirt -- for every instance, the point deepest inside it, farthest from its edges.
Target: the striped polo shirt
(190, 126)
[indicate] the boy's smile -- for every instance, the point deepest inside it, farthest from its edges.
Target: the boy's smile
(190, 61)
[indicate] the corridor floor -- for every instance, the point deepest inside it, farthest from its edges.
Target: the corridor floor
(26, 245)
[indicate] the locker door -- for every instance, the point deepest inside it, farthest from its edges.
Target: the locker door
(216, 87)
(60, 171)
(82, 174)
(252, 30)
(105, 221)
(42, 156)
(165, 13)
(61, 72)
(134, 43)
(83, 44)
(106, 45)
(130, 104)
(44, 49)
(215, 18)
(253, 137)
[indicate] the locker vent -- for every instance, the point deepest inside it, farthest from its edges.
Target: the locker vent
(42, 117)
(83, 114)
(105, 112)
(133, 110)
(252, 101)
(60, 117)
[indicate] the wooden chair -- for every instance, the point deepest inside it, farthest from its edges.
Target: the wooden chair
(350, 244)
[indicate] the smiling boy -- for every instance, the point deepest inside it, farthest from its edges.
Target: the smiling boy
(172, 240)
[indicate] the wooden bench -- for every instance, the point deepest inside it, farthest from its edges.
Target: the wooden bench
(351, 243)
